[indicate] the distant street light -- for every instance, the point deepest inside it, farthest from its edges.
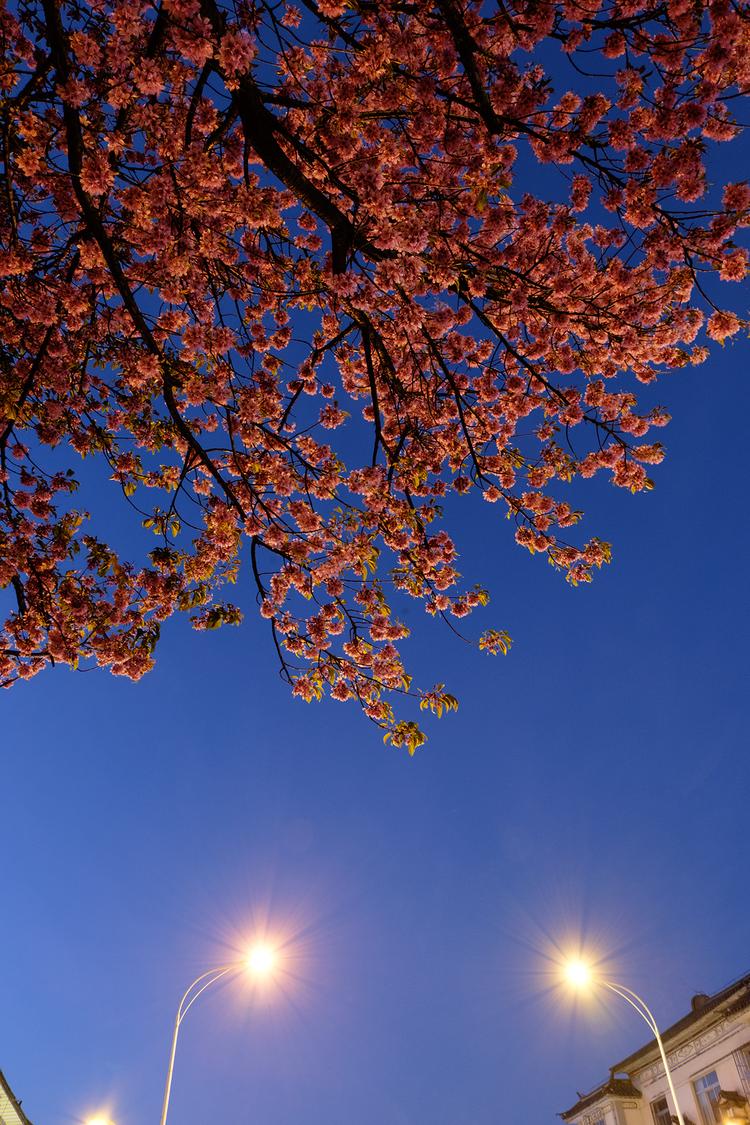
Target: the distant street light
(260, 962)
(581, 976)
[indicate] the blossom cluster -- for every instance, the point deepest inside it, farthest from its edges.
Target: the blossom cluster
(238, 240)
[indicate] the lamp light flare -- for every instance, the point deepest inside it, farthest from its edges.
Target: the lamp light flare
(578, 973)
(261, 960)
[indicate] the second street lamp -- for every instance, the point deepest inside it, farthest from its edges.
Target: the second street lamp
(582, 977)
(259, 962)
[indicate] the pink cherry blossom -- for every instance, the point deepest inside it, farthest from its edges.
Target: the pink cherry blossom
(284, 277)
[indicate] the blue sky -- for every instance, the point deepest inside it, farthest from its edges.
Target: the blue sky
(593, 784)
(592, 788)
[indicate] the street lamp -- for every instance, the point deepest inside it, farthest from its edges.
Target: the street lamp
(259, 962)
(581, 976)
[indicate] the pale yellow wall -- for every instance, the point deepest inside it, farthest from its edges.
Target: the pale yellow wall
(716, 1056)
(8, 1114)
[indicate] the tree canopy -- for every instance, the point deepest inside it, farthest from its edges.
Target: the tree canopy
(287, 274)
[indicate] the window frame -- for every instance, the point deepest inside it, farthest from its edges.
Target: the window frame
(702, 1097)
(744, 1052)
(661, 1120)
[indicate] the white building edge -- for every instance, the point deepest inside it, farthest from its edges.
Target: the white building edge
(709, 1056)
(10, 1108)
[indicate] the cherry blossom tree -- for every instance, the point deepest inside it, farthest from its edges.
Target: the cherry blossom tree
(239, 240)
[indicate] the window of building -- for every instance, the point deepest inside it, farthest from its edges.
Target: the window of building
(660, 1112)
(743, 1065)
(707, 1091)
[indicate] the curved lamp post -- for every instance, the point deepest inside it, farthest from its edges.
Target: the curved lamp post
(259, 962)
(580, 976)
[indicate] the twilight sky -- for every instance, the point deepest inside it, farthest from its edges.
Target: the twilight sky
(593, 788)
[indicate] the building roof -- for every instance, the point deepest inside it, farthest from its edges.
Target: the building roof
(10, 1107)
(730, 1000)
(613, 1088)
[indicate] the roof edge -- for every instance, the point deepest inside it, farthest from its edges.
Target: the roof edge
(612, 1088)
(13, 1099)
(687, 1021)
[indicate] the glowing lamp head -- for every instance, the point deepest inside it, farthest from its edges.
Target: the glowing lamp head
(98, 1120)
(261, 960)
(578, 974)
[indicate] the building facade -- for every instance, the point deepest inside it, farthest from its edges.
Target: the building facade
(708, 1051)
(10, 1108)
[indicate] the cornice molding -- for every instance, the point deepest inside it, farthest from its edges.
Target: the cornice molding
(599, 1109)
(690, 1050)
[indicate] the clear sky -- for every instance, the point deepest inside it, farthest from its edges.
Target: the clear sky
(593, 787)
